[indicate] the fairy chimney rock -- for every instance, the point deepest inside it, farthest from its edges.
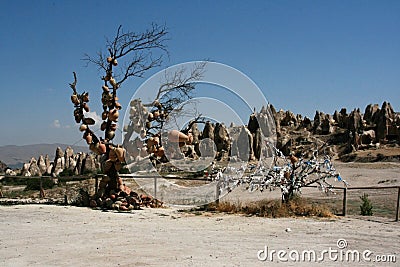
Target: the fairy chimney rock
(41, 163)
(88, 164)
(33, 167)
(208, 131)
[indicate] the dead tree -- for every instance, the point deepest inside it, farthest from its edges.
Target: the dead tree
(149, 119)
(127, 55)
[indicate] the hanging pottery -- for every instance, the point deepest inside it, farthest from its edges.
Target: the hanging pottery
(115, 62)
(177, 137)
(102, 148)
(86, 107)
(151, 141)
(113, 82)
(89, 121)
(105, 88)
(78, 118)
(107, 77)
(112, 156)
(120, 151)
(103, 126)
(159, 152)
(110, 135)
(157, 103)
(104, 115)
(75, 99)
(118, 105)
(109, 59)
(85, 97)
(88, 138)
(151, 148)
(113, 115)
(94, 147)
(157, 140)
(83, 127)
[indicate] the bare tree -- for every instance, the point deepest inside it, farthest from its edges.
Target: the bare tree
(127, 55)
(149, 119)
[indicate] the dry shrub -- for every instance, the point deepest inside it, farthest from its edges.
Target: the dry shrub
(274, 208)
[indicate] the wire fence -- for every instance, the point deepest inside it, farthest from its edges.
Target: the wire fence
(385, 200)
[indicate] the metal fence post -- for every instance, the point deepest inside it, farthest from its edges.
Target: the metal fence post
(398, 204)
(155, 187)
(96, 184)
(217, 193)
(344, 201)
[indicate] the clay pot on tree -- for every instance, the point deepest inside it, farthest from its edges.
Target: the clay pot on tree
(86, 107)
(120, 151)
(83, 127)
(102, 148)
(85, 97)
(75, 99)
(104, 115)
(159, 152)
(110, 134)
(113, 115)
(88, 137)
(176, 136)
(105, 89)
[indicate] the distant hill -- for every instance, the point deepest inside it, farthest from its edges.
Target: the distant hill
(16, 156)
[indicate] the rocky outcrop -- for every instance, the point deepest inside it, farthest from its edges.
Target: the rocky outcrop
(41, 163)
(3, 167)
(355, 121)
(77, 164)
(69, 158)
(322, 123)
(221, 138)
(59, 162)
(385, 123)
(354, 130)
(370, 113)
(88, 164)
(208, 131)
(33, 168)
(243, 145)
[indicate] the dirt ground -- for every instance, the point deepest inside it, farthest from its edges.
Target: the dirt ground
(48, 235)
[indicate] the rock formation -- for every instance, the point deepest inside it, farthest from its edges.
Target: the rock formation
(3, 167)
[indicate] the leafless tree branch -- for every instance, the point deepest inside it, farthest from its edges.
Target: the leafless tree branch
(136, 50)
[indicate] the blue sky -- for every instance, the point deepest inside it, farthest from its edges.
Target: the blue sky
(304, 55)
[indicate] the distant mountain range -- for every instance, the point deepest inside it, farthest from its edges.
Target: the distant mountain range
(16, 156)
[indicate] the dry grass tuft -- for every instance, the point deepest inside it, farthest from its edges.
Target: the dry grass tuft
(274, 208)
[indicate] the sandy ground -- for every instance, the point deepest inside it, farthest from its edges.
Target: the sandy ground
(45, 235)
(39, 235)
